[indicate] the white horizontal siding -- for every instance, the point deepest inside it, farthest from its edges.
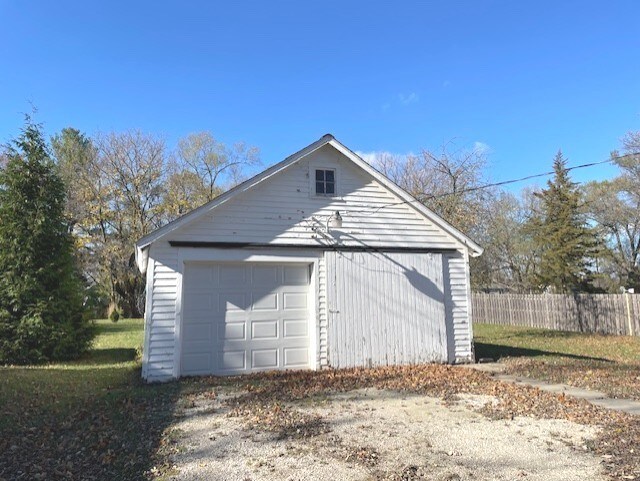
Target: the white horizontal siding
(160, 342)
(385, 308)
(283, 210)
(459, 307)
(322, 312)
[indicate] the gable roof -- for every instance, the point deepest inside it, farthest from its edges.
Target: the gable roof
(328, 139)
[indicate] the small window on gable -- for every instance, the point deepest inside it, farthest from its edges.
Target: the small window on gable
(325, 182)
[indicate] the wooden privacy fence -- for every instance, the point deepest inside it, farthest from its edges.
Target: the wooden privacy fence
(602, 313)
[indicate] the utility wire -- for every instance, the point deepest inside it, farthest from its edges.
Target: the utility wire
(496, 184)
(522, 179)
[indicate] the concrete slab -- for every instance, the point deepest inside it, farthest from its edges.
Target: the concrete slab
(490, 367)
(624, 405)
(597, 398)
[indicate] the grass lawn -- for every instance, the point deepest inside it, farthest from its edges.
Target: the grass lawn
(606, 363)
(91, 417)
(95, 419)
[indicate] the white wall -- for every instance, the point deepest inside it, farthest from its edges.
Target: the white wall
(386, 308)
(282, 210)
(285, 210)
(160, 316)
(458, 305)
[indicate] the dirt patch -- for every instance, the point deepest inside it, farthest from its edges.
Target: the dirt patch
(376, 434)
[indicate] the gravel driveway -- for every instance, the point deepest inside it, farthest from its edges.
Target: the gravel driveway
(372, 434)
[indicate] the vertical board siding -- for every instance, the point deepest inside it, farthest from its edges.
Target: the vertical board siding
(285, 210)
(385, 308)
(593, 313)
(160, 340)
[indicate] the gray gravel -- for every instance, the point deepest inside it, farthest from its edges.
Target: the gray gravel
(388, 436)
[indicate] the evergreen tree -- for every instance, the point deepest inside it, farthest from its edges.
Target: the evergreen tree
(566, 243)
(41, 313)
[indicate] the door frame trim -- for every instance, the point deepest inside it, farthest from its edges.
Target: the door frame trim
(191, 254)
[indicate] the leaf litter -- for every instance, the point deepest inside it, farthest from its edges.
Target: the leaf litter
(267, 402)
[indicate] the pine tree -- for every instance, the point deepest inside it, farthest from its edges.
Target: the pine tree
(566, 243)
(41, 314)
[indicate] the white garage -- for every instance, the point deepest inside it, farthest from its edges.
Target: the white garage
(318, 262)
(245, 317)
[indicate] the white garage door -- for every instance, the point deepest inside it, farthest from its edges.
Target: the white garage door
(244, 317)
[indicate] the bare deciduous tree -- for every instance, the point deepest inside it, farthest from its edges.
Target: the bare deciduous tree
(218, 166)
(123, 186)
(615, 206)
(446, 181)
(509, 261)
(116, 186)
(133, 164)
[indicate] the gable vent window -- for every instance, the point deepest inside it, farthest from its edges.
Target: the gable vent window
(325, 182)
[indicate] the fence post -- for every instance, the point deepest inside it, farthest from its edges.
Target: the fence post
(626, 298)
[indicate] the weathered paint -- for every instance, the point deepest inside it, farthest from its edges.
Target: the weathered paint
(285, 210)
(386, 309)
(310, 154)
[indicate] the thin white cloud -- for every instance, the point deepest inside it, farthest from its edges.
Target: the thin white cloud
(374, 157)
(481, 147)
(401, 99)
(408, 99)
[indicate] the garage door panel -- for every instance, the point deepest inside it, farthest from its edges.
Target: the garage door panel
(294, 300)
(257, 317)
(262, 301)
(197, 332)
(200, 275)
(199, 346)
(232, 331)
(264, 329)
(264, 359)
(196, 363)
(233, 301)
(265, 275)
(199, 300)
(296, 275)
(232, 361)
(296, 357)
(232, 275)
(295, 328)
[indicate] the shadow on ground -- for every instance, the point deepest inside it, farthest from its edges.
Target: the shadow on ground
(83, 422)
(498, 351)
(112, 355)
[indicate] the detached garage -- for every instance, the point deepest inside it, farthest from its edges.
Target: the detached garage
(319, 261)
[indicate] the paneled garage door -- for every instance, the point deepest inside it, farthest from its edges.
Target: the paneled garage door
(245, 317)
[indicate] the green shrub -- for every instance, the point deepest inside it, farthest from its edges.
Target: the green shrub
(114, 316)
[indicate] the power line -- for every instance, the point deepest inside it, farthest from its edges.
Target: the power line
(497, 184)
(522, 179)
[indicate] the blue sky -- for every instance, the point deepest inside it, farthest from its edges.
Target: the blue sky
(524, 78)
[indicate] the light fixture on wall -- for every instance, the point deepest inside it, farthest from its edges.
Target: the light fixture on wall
(335, 221)
(324, 225)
